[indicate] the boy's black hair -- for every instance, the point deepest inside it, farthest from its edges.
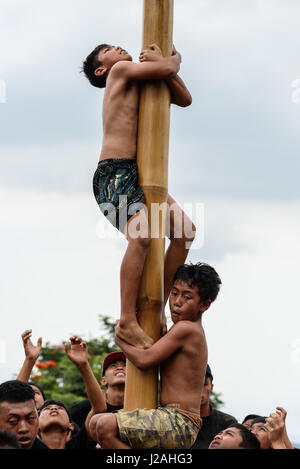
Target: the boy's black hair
(202, 276)
(90, 64)
(54, 402)
(249, 440)
(251, 416)
(16, 391)
(8, 440)
(32, 383)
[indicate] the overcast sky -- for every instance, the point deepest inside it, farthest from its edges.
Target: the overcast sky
(235, 150)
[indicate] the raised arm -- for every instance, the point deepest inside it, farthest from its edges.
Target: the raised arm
(164, 68)
(160, 350)
(78, 354)
(179, 92)
(32, 353)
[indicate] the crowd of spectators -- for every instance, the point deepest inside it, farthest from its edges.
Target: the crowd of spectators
(29, 421)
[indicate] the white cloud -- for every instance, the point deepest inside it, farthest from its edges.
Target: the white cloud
(41, 32)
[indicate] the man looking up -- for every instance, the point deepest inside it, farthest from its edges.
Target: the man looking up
(236, 436)
(113, 378)
(18, 413)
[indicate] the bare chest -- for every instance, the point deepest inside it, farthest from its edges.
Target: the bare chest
(120, 104)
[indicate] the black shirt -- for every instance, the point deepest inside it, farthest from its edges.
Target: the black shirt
(78, 441)
(79, 412)
(211, 426)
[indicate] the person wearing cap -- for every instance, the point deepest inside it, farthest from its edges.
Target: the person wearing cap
(113, 378)
(213, 421)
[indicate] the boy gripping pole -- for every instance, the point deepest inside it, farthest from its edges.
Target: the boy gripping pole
(115, 183)
(182, 353)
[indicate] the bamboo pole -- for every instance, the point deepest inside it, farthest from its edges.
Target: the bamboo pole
(152, 160)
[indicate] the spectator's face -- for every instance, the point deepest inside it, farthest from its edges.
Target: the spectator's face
(115, 374)
(227, 439)
(54, 415)
(38, 397)
(21, 419)
(206, 391)
(262, 435)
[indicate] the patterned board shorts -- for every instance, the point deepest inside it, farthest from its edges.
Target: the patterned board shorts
(162, 428)
(117, 190)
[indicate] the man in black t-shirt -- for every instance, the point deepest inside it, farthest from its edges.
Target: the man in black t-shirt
(213, 420)
(113, 377)
(56, 429)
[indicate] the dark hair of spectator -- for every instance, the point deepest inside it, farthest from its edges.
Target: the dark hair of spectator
(89, 66)
(15, 391)
(202, 276)
(32, 383)
(249, 440)
(251, 417)
(8, 440)
(53, 402)
(258, 420)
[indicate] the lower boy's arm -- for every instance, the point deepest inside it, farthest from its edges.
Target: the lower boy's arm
(135, 355)
(160, 350)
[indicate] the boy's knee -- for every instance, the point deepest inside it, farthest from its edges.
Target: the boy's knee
(106, 426)
(142, 240)
(187, 235)
(93, 427)
(189, 232)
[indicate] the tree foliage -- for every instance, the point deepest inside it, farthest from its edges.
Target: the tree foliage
(59, 377)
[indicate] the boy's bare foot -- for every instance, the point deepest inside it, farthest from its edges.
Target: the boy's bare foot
(133, 334)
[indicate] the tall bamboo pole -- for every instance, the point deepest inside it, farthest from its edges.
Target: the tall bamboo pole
(152, 160)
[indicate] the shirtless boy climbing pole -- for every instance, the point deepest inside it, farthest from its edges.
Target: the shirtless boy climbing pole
(182, 355)
(116, 186)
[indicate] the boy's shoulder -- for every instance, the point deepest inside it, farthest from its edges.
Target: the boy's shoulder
(120, 68)
(185, 327)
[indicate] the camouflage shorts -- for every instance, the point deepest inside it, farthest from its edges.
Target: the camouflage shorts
(162, 428)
